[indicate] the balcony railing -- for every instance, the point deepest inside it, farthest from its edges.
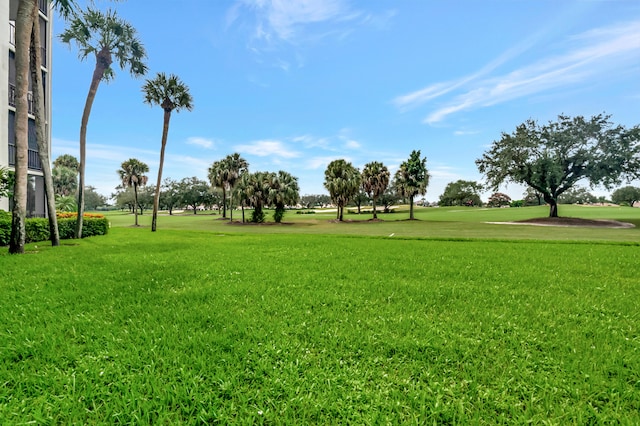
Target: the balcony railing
(33, 158)
(12, 98)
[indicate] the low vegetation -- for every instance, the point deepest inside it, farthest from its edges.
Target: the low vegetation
(390, 322)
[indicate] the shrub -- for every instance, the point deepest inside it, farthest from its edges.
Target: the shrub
(37, 229)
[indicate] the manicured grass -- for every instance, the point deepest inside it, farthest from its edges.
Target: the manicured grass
(240, 325)
(432, 223)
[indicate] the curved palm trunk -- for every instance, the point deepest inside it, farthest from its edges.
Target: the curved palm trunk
(103, 61)
(156, 198)
(43, 146)
(24, 24)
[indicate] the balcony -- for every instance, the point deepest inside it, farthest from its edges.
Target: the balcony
(33, 158)
(12, 98)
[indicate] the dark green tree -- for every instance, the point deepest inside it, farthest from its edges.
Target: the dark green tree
(342, 180)
(283, 191)
(626, 195)
(461, 193)
(412, 178)
(132, 174)
(552, 158)
(375, 180)
(194, 193)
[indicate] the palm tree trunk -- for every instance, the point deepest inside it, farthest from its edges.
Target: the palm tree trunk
(43, 146)
(135, 203)
(375, 214)
(224, 202)
(103, 61)
(24, 25)
(411, 208)
(156, 198)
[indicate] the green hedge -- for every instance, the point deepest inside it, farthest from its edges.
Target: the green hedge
(37, 229)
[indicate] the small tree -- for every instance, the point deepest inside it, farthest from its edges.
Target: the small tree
(626, 195)
(132, 173)
(257, 187)
(412, 178)
(283, 191)
(461, 193)
(499, 199)
(342, 180)
(375, 180)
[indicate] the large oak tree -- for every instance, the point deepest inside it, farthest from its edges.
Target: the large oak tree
(553, 157)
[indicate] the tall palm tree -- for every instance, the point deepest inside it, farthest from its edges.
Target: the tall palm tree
(235, 166)
(27, 10)
(283, 190)
(106, 36)
(132, 173)
(342, 180)
(375, 180)
(172, 95)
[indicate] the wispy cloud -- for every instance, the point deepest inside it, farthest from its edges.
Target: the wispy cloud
(265, 148)
(316, 163)
(584, 56)
(202, 142)
(282, 19)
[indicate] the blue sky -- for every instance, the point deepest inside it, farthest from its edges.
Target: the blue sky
(294, 84)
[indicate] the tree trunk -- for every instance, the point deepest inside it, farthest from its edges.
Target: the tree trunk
(103, 61)
(411, 208)
(375, 214)
(43, 145)
(135, 203)
(553, 205)
(340, 213)
(24, 25)
(156, 199)
(224, 202)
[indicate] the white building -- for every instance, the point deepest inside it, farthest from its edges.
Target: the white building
(36, 203)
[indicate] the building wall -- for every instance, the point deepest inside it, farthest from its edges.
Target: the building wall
(9, 9)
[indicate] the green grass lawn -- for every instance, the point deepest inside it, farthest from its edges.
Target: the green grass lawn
(446, 321)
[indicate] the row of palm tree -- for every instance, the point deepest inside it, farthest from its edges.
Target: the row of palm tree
(344, 181)
(231, 175)
(108, 38)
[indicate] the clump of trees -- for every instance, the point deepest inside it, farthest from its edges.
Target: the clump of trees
(461, 193)
(628, 195)
(342, 180)
(553, 157)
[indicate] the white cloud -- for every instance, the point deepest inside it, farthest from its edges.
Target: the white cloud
(321, 162)
(202, 142)
(282, 18)
(589, 55)
(266, 148)
(351, 144)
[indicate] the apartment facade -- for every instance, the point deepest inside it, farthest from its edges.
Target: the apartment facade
(36, 202)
